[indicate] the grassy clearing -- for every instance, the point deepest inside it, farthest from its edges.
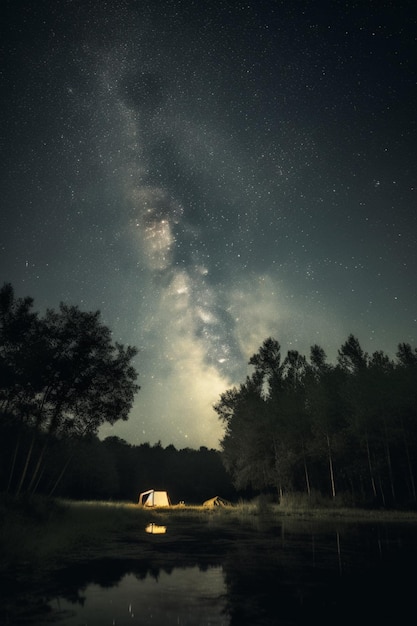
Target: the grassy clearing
(41, 533)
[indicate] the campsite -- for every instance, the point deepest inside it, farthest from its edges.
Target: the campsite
(242, 564)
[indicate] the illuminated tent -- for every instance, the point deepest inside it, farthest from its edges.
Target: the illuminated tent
(154, 498)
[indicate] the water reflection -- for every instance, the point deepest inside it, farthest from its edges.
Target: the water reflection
(155, 529)
(157, 600)
(348, 574)
(287, 573)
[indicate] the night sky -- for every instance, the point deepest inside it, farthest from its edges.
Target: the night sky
(208, 174)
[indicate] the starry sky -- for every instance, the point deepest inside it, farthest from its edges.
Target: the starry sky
(208, 175)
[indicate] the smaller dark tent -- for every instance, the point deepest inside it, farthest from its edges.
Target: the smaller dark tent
(216, 501)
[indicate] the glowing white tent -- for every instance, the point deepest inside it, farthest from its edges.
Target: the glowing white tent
(154, 498)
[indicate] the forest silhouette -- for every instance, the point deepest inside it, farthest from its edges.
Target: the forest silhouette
(345, 430)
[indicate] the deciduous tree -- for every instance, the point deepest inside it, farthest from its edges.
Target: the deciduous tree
(65, 377)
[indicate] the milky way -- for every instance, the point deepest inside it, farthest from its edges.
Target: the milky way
(209, 176)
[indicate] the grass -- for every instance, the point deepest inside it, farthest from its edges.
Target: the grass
(41, 533)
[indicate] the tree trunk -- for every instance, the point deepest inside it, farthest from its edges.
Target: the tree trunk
(13, 464)
(371, 471)
(38, 481)
(332, 481)
(54, 422)
(37, 467)
(37, 426)
(409, 465)
(381, 488)
(388, 453)
(25, 468)
(58, 480)
(306, 474)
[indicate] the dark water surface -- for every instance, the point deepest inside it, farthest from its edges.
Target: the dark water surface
(280, 574)
(186, 595)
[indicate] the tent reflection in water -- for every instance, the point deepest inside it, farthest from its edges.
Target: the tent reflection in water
(154, 498)
(155, 529)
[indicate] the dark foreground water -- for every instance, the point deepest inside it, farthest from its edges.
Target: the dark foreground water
(186, 595)
(281, 574)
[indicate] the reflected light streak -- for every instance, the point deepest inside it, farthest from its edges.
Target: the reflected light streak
(155, 529)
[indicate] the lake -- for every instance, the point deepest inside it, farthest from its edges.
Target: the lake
(277, 573)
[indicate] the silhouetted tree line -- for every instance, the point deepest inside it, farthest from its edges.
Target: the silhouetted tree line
(116, 470)
(306, 425)
(61, 378)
